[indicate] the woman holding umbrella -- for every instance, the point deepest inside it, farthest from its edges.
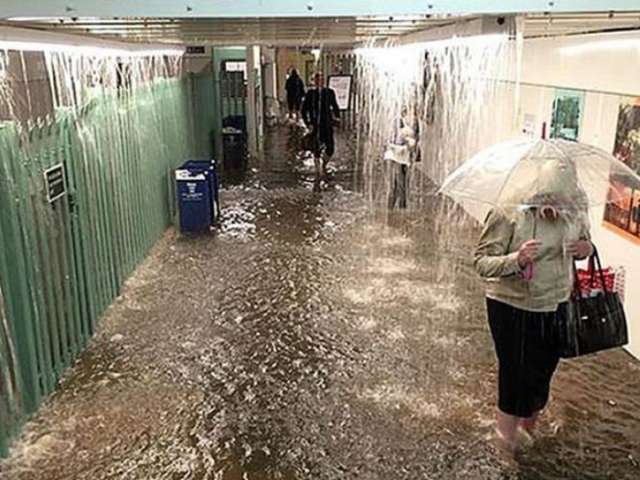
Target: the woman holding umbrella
(526, 253)
(538, 193)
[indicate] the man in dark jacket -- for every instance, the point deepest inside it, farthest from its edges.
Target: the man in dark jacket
(319, 111)
(295, 92)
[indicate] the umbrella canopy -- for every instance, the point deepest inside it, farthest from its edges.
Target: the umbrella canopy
(536, 172)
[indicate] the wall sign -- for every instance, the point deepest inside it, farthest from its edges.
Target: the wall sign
(196, 51)
(55, 183)
(341, 84)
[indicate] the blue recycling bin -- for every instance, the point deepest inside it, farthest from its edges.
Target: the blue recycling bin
(209, 166)
(194, 200)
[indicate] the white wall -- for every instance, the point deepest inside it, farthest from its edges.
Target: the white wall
(252, 127)
(255, 102)
(270, 80)
(607, 68)
(603, 62)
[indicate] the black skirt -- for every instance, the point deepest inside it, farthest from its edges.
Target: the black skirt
(294, 102)
(527, 352)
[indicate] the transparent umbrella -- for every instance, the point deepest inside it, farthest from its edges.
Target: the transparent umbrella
(524, 181)
(536, 172)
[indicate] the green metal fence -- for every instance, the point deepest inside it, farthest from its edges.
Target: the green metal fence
(204, 113)
(63, 263)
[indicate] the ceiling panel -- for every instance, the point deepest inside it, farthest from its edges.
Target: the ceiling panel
(316, 31)
(310, 31)
(300, 8)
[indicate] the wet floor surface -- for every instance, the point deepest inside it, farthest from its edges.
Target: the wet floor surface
(312, 339)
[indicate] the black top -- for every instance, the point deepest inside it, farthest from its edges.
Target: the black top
(320, 107)
(294, 87)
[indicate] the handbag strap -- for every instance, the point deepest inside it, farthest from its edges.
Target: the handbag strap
(594, 266)
(577, 291)
(598, 265)
(591, 270)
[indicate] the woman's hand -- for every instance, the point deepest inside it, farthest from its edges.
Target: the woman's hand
(527, 252)
(579, 249)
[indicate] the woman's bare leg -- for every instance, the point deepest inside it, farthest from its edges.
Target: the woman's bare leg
(317, 160)
(325, 162)
(506, 430)
(529, 424)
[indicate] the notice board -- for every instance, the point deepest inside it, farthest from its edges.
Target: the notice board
(55, 182)
(341, 84)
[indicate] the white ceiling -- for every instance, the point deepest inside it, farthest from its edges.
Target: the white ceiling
(309, 31)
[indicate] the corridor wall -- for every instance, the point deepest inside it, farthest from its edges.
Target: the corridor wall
(62, 263)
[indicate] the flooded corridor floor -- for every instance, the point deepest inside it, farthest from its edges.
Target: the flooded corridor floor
(311, 339)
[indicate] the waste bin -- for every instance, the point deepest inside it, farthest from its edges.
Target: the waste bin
(235, 121)
(194, 200)
(210, 166)
(233, 148)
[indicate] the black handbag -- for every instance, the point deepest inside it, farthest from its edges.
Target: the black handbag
(592, 324)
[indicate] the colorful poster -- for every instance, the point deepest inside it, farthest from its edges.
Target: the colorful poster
(624, 212)
(567, 113)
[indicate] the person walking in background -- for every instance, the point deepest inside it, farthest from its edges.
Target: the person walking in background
(319, 111)
(401, 154)
(295, 93)
(526, 254)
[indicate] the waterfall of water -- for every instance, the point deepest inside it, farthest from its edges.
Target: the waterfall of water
(462, 93)
(456, 90)
(117, 125)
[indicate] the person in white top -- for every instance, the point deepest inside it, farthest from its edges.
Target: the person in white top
(402, 154)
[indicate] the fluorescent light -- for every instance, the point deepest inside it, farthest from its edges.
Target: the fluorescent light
(446, 42)
(33, 19)
(90, 51)
(30, 40)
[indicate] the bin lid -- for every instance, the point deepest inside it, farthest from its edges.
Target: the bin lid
(198, 161)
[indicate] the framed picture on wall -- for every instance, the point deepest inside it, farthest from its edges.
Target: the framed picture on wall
(624, 213)
(341, 84)
(568, 105)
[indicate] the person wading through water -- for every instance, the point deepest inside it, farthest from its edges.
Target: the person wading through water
(319, 111)
(295, 92)
(526, 253)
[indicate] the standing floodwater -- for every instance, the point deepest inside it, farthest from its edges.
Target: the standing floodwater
(311, 339)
